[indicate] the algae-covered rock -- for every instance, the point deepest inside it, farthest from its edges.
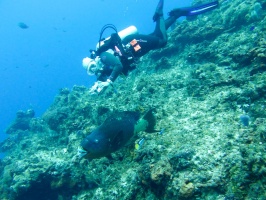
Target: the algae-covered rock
(187, 190)
(22, 121)
(211, 72)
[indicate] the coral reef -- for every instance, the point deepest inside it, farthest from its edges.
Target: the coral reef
(211, 73)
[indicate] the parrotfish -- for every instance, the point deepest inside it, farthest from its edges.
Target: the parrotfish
(115, 132)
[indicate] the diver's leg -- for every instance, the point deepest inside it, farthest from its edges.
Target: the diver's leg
(160, 30)
(159, 10)
(169, 21)
(195, 10)
(188, 11)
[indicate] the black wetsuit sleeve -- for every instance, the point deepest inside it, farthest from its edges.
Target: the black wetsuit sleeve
(113, 62)
(110, 43)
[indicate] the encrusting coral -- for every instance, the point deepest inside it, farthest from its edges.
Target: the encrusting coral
(211, 73)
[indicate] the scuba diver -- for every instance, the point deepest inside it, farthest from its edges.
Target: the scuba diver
(115, 56)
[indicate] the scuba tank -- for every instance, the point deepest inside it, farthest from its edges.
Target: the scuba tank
(123, 51)
(122, 34)
(127, 31)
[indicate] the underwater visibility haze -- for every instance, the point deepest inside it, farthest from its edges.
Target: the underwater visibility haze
(43, 44)
(204, 91)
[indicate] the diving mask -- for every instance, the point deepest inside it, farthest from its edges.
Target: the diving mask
(91, 65)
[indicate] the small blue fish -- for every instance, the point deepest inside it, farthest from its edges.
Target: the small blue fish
(115, 90)
(252, 28)
(23, 25)
(139, 143)
(162, 131)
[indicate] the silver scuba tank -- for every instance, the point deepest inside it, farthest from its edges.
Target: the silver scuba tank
(122, 34)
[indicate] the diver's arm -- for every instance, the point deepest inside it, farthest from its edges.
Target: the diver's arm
(116, 71)
(112, 61)
(104, 47)
(110, 43)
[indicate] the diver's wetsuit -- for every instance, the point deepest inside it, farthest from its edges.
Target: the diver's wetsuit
(112, 67)
(116, 64)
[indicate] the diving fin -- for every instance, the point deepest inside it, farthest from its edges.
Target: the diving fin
(159, 11)
(195, 10)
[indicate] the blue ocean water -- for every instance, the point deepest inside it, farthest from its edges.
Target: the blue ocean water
(36, 61)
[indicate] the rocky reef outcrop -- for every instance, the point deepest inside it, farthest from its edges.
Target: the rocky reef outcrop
(211, 73)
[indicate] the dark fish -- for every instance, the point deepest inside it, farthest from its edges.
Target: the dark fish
(23, 25)
(115, 132)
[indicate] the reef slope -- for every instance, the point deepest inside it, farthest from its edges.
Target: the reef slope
(211, 73)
